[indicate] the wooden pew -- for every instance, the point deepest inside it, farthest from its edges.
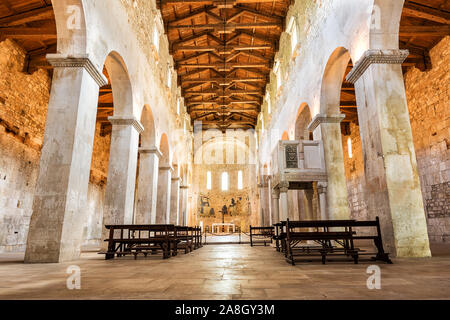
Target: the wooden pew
(264, 232)
(185, 238)
(328, 233)
(134, 239)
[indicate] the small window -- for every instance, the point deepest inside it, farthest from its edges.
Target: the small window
(292, 29)
(178, 106)
(240, 182)
(156, 38)
(224, 181)
(169, 79)
(349, 144)
(269, 107)
(208, 180)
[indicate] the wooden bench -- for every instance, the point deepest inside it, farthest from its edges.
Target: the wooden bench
(264, 232)
(186, 238)
(135, 239)
(333, 237)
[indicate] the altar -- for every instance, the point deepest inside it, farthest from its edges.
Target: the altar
(218, 225)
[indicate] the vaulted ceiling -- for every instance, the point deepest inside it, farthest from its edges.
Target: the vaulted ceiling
(223, 53)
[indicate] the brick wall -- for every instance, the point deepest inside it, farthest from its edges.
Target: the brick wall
(428, 95)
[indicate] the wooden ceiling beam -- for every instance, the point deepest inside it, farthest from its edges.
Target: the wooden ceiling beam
(227, 65)
(424, 31)
(228, 27)
(417, 10)
(36, 34)
(44, 13)
(222, 48)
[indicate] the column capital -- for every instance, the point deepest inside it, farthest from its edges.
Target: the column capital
(283, 186)
(126, 121)
(275, 194)
(154, 150)
(322, 187)
(324, 118)
(58, 60)
(387, 56)
(166, 168)
(184, 186)
(176, 178)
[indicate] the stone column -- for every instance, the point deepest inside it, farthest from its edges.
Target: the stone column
(121, 183)
(392, 179)
(261, 203)
(328, 129)
(308, 197)
(163, 201)
(284, 202)
(147, 185)
(175, 201)
(275, 206)
(266, 192)
(183, 207)
(322, 191)
(56, 225)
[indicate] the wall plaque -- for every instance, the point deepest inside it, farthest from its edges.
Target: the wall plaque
(291, 156)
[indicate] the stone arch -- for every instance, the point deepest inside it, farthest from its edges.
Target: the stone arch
(385, 24)
(302, 122)
(71, 26)
(164, 182)
(165, 150)
(148, 136)
(120, 84)
(332, 81)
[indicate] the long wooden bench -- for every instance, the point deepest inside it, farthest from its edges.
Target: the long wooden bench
(135, 239)
(266, 233)
(331, 238)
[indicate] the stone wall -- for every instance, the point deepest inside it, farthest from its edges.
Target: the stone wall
(23, 109)
(354, 173)
(428, 95)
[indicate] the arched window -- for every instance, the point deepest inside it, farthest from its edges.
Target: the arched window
(208, 180)
(240, 180)
(156, 38)
(224, 181)
(269, 106)
(292, 30)
(349, 144)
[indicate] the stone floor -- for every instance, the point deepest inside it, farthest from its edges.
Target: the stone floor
(228, 271)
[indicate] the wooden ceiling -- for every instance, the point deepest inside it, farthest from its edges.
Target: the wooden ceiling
(223, 53)
(223, 50)
(424, 23)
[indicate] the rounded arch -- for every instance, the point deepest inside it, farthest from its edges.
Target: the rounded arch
(200, 155)
(385, 24)
(148, 136)
(165, 151)
(301, 123)
(120, 84)
(71, 26)
(333, 75)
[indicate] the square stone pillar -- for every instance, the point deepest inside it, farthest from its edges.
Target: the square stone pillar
(392, 179)
(267, 202)
(121, 183)
(147, 185)
(163, 201)
(175, 201)
(56, 225)
(328, 129)
(183, 204)
(261, 203)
